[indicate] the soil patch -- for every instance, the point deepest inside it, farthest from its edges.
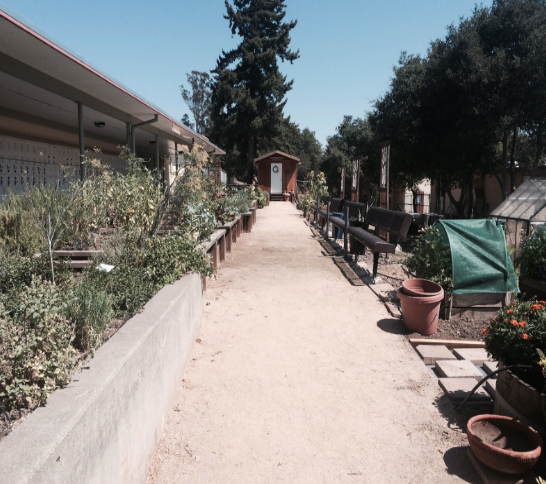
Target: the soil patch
(393, 271)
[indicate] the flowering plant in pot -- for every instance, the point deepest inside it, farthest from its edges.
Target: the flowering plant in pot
(515, 337)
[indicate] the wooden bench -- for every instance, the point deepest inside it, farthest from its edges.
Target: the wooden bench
(395, 223)
(351, 211)
(334, 205)
(313, 211)
(79, 259)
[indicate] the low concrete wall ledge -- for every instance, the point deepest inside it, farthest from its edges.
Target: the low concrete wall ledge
(104, 427)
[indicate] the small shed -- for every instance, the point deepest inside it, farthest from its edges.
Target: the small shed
(277, 173)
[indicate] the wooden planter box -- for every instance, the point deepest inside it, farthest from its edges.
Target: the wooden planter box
(532, 288)
(483, 305)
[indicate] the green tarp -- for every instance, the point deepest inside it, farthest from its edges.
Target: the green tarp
(479, 256)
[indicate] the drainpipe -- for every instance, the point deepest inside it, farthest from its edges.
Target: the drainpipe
(128, 130)
(82, 145)
(137, 125)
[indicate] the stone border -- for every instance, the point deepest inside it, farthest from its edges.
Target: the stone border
(105, 426)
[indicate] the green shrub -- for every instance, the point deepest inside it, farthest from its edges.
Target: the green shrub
(533, 255)
(431, 258)
(90, 309)
(515, 334)
(35, 351)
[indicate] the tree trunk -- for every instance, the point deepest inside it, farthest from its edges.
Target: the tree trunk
(458, 204)
(471, 198)
(513, 160)
(538, 153)
(504, 183)
(250, 160)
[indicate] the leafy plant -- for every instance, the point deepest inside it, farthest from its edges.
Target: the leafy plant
(515, 335)
(431, 258)
(35, 351)
(533, 255)
(90, 308)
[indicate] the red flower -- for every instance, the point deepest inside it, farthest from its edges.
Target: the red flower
(536, 307)
(542, 302)
(484, 331)
(509, 311)
(522, 324)
(514, 322)
(525, 336)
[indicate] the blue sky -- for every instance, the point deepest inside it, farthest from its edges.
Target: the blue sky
(347, 47)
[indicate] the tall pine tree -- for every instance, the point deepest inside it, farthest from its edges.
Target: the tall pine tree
(248, 88)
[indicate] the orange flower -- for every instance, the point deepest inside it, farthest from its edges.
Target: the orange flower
(536, 307)
(542, 302)
(514, 322)
(492, 320)
(484, 331)
(509, 311)
(522, 324)
(525, 336)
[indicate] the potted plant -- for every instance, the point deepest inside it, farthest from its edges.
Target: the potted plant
(286, 196)
(516, 336)
(532, 261)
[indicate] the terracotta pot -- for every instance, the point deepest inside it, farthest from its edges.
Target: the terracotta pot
(420, 312)
(503, 443)
(286, 196)
(421, 287)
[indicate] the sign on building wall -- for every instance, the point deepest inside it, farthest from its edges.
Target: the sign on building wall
(384, 175)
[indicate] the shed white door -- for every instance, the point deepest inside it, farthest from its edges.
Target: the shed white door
(276, 178)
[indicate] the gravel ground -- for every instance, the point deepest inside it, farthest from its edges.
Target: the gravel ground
(301, 376)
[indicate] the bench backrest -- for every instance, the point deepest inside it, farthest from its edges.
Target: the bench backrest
(335, 204)
(397, 223)
(356, 210)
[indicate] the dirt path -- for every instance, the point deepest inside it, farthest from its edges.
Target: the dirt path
(299, 376)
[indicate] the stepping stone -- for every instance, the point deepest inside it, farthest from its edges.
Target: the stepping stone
(458, 388)
(384, 291)
(489, 367)
(491, 387)
(475, 355)
(458, 369)
(490, 476)
(433, 353)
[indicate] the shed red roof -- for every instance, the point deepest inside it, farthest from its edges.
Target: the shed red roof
(276, 153)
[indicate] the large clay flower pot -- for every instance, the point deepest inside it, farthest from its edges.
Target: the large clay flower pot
(503, 443)
(421, 312)
(421, 287)
(286, 196)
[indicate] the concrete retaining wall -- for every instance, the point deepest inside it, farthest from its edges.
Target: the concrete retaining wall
(104, 427)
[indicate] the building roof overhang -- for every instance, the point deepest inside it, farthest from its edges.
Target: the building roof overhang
(37, 71)
(276, 154)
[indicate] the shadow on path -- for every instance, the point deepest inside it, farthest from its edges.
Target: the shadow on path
(391, 325)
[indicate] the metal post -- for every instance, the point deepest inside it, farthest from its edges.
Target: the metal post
(327, 219)
(176, 157)
(82, 144)
(346, 233)
(157, 151)
(316, 212)
(128, 130)
(133, 141)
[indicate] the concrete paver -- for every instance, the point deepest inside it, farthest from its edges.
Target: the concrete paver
(300, 376)
(475, 355)
(432, 353)
(459, 388)
(458, 369)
